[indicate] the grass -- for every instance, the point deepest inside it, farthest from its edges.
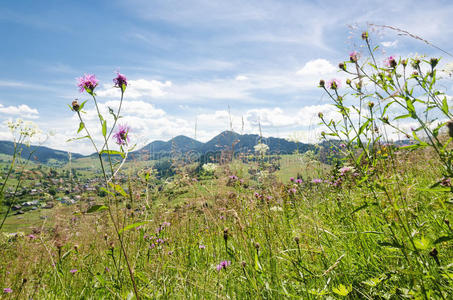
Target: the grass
(321, 241)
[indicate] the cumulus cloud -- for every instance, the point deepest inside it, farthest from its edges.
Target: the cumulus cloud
(138, 89)
(241, 77)
(389, 44)
(21, 110)
(317, 67)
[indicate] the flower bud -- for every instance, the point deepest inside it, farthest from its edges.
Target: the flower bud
(342, 66)
(434, 61)
(322, 83)
(225, 234)
(416, 63)
(348, 81)
(358, 85)
(296, 239)
(371, 105)
(385, 120)
(415, 73)
(365, 35)
(320, 115)
(257, 246)
(404, 62)
(75, 105)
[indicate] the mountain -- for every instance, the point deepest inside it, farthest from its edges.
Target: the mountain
(181, 144)
(39, 153)
(246, 143)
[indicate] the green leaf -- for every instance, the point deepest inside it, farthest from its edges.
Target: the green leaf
(81, 126)
(118, 189)
(79, 138)
(104, 128)
(402, 117)
(342, 290)
(445, 106)
(373, 281)
(96, 208)
(132, 226)
(422, 243)
(82, 105)
(112, 152)
(443, 239)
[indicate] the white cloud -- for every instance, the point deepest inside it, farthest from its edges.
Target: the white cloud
(21, 110)
(317, 67)
(241, 77)
(138, 89)
(390, 44)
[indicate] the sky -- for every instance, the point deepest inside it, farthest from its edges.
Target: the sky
(194, 65)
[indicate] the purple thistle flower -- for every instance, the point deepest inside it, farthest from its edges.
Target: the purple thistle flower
(122, 135)
(223, 265)
(299, 181)
(334, 84)
(7, 290)
(31, 236)
(291, 179)
(119, 80)
(73, 271)
(390, 61)
(202, 246)
(166, 224)
(88, 81)
(316, 180)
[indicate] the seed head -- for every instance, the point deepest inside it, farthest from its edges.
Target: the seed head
(322, 83)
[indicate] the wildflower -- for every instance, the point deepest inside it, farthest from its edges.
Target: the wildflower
(346, 170)
(334, 84)
(434, 62)
(316, 180)
(75, 105)
(232, 177)
(209, 167)
(342, 145)
(223, 265)
(73, 271)
(87, 83)
(276, 208)
(354, 56)
(170, 252)
(166, 224)
(322, 83)
(201, 246)
(7, 290)
(291, 179)
(261, 148)
(365, 35)
(390, 62)
(119, 80)
(122, 135)
(292, 191)
(446, 182)
(299, 181)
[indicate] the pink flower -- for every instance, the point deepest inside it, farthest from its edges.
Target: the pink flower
(119, 80)
(390, 61)
(223, 265)
(7, 290)
(291, 179)
(298, 181)
(354, 56)
(316, 180)
(334, 84)
(87, 82)
(73, 271)
(202, 246)
(122, 135)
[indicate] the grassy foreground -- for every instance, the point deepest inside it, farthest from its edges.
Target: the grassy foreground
(250, 239)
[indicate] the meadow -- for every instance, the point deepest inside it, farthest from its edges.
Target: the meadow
(372, 223)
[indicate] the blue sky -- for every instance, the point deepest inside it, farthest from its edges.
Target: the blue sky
(191, 60)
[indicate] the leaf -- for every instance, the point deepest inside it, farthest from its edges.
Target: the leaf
(445, 106)
(132, 226)
(373, 281)
(342, 290)
(104, 128)
(443, 239)
(387, 244)
(82, 105)
(96, 208)
(79, 138)
(118, 189)
(81, 126)
(402, 117)
(112, 152)
(422, 243)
